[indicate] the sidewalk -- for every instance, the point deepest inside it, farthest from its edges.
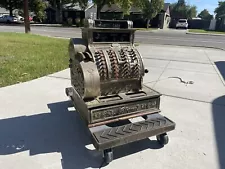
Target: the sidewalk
(39, 131)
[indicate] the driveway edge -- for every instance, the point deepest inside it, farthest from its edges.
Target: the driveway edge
(209, 34)
(197, 46)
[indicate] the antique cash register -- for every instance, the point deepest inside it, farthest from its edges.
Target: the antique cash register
(107, 87)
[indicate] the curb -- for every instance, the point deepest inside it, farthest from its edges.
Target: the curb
(40, 25)
(54, 25)
(145, 31)
(139, 43)
(208, 34)
(61, 26)
(58, 37)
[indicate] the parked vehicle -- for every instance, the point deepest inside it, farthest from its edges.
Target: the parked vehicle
(20, 18)
(182, 23)
(11, 19)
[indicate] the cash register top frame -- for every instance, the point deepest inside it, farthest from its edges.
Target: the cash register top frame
(108, 31)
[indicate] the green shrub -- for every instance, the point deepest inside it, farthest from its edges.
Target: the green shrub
(77, 21)
(70, 21)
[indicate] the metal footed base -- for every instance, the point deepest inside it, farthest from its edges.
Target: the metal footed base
(117, 130)
(105, 137)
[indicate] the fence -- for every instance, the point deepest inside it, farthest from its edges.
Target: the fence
(198, 24)
(192, 23)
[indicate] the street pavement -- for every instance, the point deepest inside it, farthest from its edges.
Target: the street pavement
(161, 37)
(39, 131)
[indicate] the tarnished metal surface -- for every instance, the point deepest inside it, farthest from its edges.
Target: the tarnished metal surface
(105, 61)
(107, 113)
(104, 110)
(108, 137)
(107, 86)
(136, 114)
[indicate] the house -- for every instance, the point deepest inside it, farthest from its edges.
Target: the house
(162, 19)
(72, 11)
(165, 16)
(115, 12)
(111, 12)
(220, 23)
(50, 15)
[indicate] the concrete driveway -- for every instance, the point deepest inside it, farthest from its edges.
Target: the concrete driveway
(39, 131)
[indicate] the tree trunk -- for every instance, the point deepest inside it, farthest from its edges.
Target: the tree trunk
(11, 12)
(57, 15)
(99, 8)
(59, 11)
(10, 8)
(98, 11)
(148, 22)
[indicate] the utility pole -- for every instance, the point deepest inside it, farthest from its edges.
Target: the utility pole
(26, 17)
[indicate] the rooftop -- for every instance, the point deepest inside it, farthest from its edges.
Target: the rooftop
(3, 11)
(116, 8)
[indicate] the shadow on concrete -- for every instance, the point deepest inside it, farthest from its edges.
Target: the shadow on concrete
(221, 67)
(219, 120)
(60, 131)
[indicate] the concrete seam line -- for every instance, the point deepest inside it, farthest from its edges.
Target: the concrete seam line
(184, 98)
(192, 46)
(207, 34)
(216, 69)
(152, 58)
(161, 74)
(57, 77)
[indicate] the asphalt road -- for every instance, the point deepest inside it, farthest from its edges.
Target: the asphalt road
(161, 37)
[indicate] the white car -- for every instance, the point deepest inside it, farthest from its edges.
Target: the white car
(182, 23)
(20, 18)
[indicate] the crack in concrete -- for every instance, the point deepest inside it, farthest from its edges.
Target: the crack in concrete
(161, 74)
(215, 68)
(178, 60)
(57, 77)
(196, 100)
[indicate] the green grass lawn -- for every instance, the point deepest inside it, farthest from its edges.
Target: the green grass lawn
(25, 57)
(204, 31)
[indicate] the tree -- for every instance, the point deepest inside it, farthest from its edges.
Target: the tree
(191, 11)
(151, 9)
(181, 2)
(100, 4)
(220, 10)
(11, 5)
(38, 7)
(205, 15)
(83, 3)
(182, 10)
